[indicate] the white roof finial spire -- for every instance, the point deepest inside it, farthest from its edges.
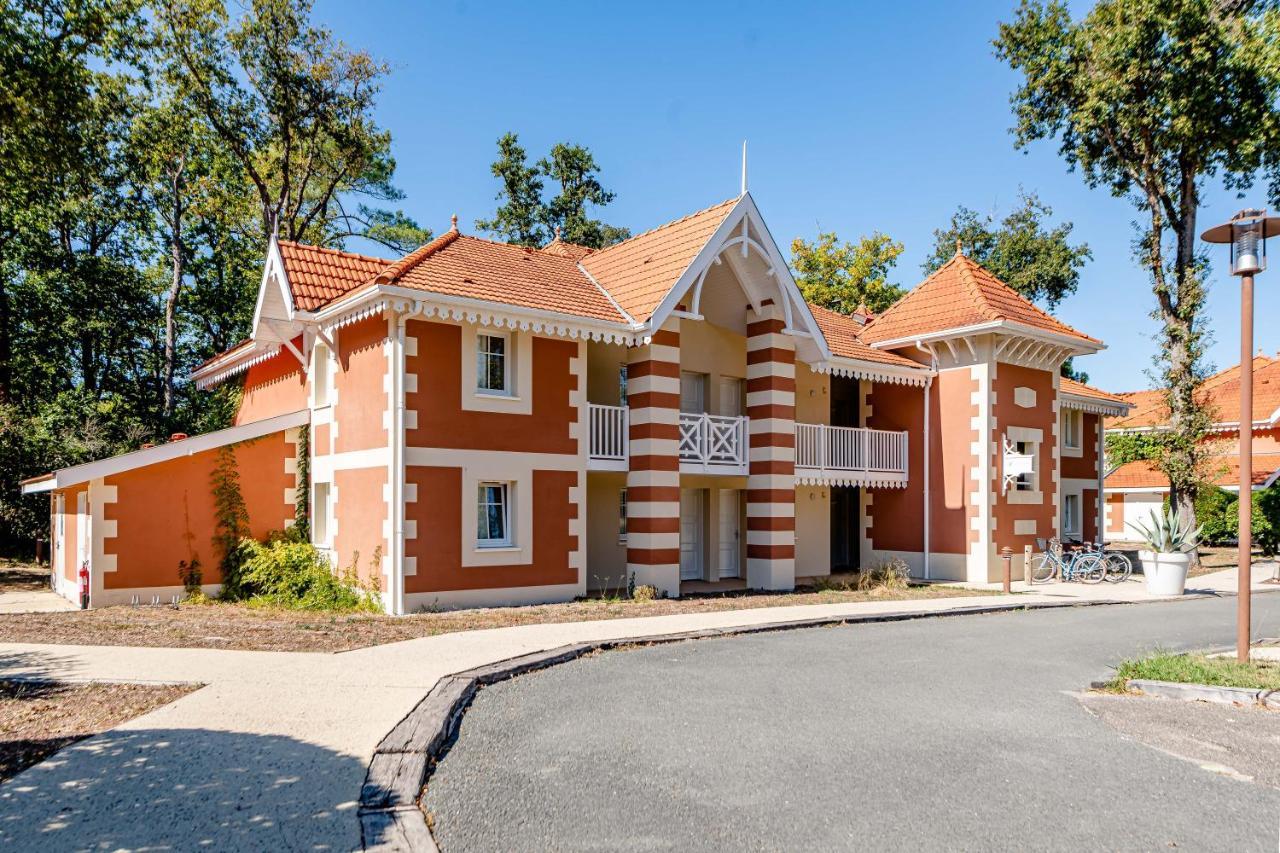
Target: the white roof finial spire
(744, 167)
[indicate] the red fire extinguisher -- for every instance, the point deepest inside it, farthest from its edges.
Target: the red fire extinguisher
(84, 585)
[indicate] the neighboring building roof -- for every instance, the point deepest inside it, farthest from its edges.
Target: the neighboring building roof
(64, 477)
(1070, 386)
(1220, 393)
(841, 332)
(1143, 475)
(639, 272)
(317, 276)
(960, 294)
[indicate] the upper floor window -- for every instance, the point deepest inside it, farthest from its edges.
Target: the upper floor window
(1071, 515)
(1072, 427)
(493, 364)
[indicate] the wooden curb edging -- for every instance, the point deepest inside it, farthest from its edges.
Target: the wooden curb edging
(391, 818)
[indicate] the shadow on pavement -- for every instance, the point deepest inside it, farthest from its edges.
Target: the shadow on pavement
(185, 789)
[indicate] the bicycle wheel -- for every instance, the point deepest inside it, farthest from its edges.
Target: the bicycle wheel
(1090, 568)
(1043, 568)
(1118, 568)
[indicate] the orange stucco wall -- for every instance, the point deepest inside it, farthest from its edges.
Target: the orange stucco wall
(438, 545)
(277, 386)
(1041, 417)
(164, 513)
(362, 396)
(951, 409)
(1089, 529)
(359, 513)
(1115, 513)
(442, 422)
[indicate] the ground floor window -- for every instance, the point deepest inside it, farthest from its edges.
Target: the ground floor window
(493, 519)
(622, 517)
(320, 514)
(1071, 515)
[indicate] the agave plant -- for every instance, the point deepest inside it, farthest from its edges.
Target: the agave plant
(1168, 534)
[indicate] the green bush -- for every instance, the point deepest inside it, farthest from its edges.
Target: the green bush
(284, 572)
(1219, 512)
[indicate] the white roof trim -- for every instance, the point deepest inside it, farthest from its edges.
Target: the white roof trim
(1077, 345)
(166, 452)
(229, 364)
(1093, 405)
(873, 371)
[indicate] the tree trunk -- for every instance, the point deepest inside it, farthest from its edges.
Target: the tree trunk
(177, 257)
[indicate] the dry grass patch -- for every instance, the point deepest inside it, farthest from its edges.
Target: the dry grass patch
(39, 718)
(235, 626)
(21, 576)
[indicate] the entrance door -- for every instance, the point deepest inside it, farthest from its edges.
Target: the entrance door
(691, 537)
(729, 514)
(845, 529)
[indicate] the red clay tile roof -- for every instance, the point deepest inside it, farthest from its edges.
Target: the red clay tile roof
(1220, 393)
(1079, 389)
(318, 276)
(461, 265)
(1142, 474)
(961, 293)
(566, 250)
(841, 332)
(640, 271)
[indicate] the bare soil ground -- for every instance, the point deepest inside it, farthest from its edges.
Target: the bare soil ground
(235, 626)
(39, 718)
(17, 576)
(1212, 559)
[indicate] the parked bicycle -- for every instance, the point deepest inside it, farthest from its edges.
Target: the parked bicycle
(1117, 565)
(1053, 562)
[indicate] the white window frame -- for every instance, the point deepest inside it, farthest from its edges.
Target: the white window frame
(322, 514)
(1071, 526)
(517, 399)
(321, 377)
(482, 356)
(1072, 427)
(1028, 490)
(506, 490)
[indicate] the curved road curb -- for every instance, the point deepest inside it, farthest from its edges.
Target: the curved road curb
(390, 816)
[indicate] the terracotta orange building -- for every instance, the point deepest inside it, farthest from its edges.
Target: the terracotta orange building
(1135, 488)
(495, 424)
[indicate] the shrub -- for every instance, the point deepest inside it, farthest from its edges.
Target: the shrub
(295, 575)
(1218, 511)
(891, 574)
(191, 575)
(644, 592)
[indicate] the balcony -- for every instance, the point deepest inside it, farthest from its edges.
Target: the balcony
(712, 444)
(850, 456)
(709, 444)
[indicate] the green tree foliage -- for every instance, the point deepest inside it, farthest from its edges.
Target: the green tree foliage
(1122, 447)
(527, 217)
(1151, 100)
(841, 276)
(1219, 512)
(146, 152)
(519, 218)
(1022, 250)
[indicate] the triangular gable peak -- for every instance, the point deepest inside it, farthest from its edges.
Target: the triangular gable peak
(962, 302)
(723, 258)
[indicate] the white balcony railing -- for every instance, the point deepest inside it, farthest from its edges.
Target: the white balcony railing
(713, 440)
(850, 455)
(607, 426)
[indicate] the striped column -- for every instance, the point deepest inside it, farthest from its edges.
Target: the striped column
(771, 484)
(653, 475)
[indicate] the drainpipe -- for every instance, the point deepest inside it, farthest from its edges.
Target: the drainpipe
(928, 451)
(397, 465)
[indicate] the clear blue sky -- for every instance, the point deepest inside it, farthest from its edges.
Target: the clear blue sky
(876, 116)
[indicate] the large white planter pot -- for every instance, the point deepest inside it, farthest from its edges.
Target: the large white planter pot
(1166, 574)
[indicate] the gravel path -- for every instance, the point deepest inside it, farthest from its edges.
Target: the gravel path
(960, 733)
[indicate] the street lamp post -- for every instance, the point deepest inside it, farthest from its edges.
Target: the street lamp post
(1247, 234)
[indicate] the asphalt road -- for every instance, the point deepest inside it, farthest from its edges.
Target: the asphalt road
(960, 733)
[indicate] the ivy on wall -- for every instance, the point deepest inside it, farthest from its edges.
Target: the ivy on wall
(231, 518)
(302, 502)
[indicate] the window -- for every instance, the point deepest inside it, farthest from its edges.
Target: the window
(1071, 428)
(493, 371)
(622, 517)
(320, 380)
(320, 514)
(1071, 515)
(493, 519)
(622, 385)
(1027, 482)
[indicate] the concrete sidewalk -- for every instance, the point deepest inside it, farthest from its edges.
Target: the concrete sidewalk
(271, 753)
(1135, 589)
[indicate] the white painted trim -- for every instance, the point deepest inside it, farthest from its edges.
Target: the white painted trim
(172, 450)
(519, 367)
(1076, 345)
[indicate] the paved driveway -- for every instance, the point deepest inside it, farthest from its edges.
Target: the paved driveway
(958, 733)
